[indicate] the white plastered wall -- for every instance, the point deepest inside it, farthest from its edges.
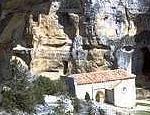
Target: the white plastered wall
(125, 94)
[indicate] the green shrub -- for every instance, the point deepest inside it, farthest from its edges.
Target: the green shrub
(91, 109)
(87, 96)
(20, 93)
(102, 111)
(76, 104)
(49, 87)
(24, 95)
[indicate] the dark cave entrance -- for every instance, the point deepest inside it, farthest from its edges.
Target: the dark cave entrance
(65, 70)
(146, 62)
(141, 57)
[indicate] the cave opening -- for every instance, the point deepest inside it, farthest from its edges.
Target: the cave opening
(65, 70)
(146, 62)
(141, 57)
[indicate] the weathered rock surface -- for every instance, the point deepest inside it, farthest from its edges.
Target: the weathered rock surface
(49, 40)
(112, 20)
(50, 35)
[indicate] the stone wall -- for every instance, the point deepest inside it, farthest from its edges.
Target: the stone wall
(125, 94)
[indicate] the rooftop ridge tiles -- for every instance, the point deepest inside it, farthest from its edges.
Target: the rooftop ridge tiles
(102, 76)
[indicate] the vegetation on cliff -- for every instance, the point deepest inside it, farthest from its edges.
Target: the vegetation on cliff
(23, 94)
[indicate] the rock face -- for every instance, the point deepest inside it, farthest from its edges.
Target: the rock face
(34, 26)
(49, 44)
(117, 25)
(113, 24)
(113, 17)
(54, 41)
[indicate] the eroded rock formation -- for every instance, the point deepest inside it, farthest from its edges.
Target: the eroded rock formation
(50, 43)
(54, 41)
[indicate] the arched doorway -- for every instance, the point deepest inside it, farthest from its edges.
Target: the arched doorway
(100, 96)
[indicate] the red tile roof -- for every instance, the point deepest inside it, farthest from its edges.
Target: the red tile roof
(101, 76)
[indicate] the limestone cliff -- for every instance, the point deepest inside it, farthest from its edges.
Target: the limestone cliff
(49, 43)
(54, 41)
(34, 32)
(116, 24)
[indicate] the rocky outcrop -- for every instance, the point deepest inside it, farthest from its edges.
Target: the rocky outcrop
(35, 33)
(118, 22)
(112, 20)
(57, 42)
(50, 43)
